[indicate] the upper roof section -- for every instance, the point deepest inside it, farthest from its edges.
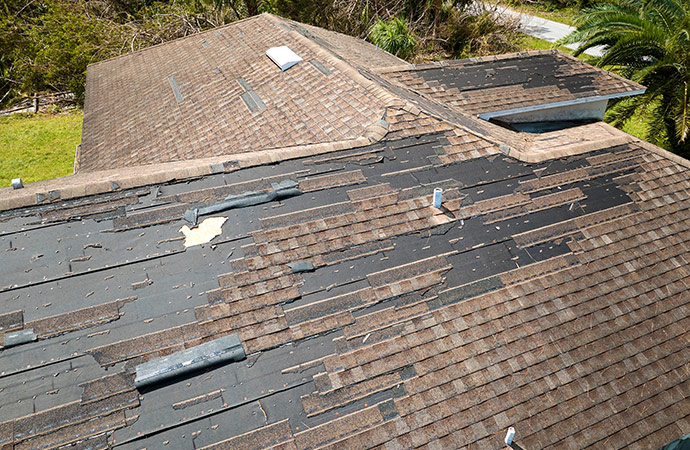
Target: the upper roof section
(217, 93)
(492, 86)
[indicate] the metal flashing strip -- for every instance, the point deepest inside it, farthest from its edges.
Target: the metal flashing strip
(18, 338)
(250, 97)
(176, 88)
(224, 349)
(253, 101)
(543, 106)
(320, 67)
(244, 84)
(279, 191)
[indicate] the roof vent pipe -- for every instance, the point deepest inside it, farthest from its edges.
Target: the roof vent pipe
(17, 183)
(438, 197)
(509, 436)
(283, 57)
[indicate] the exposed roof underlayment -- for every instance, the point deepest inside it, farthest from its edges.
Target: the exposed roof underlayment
(548, 292)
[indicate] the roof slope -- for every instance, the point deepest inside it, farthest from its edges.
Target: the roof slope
(184, 100)
(549, 296)
(547, 293)
(506, 82)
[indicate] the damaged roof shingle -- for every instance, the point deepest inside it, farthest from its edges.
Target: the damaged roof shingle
(546, 295)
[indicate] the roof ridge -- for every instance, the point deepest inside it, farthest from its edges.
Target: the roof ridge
(189, 36)
(466, 61)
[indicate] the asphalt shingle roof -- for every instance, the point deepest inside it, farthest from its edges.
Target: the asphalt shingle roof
(548, 294)
(511, 81)
(184, 100)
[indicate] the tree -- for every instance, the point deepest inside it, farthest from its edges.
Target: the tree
(647, 41)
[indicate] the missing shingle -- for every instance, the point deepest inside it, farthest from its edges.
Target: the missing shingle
(217, 168)
(320, 67)
(408, 372)
(279, 191)
(388, 409)
(301, 266)
(18, 337)
(176, 88)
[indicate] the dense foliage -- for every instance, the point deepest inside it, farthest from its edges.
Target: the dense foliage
(647, 41)
(394, 36)
(45, 45)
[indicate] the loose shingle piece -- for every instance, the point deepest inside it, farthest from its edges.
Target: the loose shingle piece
(333, 305)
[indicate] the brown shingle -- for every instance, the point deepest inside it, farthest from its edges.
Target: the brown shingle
(550, 296)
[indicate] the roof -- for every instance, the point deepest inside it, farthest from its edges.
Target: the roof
(548, 294)
(509, 82)
(217, 93)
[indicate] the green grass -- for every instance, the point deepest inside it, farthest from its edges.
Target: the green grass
(37, 147)
(563, 15)
(531, 43)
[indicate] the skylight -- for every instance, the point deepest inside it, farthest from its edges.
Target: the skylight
(283, 57)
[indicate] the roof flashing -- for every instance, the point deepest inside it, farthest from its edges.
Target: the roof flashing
(222, 350)
(283, 57)
(545, 106)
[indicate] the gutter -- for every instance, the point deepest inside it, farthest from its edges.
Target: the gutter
(540, 107)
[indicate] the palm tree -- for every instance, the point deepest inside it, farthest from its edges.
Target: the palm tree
(647, 41)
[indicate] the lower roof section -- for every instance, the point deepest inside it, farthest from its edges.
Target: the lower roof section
(547, 296)
(491, 85)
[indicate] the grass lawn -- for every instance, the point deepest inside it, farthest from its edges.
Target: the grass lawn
(37, 147)
(563, 15)
(531, 43)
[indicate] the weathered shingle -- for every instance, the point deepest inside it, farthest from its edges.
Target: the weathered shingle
(546, 294)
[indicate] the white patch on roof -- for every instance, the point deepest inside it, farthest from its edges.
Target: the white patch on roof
(209, 228)
(283, 57)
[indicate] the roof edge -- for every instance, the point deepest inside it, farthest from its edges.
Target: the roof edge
(542, 106)
(189, 36)
(620, 138)
(658, 150)
(101, 182)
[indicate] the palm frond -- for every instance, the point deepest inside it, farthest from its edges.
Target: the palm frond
(649, 42)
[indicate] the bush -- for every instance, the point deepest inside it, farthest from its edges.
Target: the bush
(394, 36)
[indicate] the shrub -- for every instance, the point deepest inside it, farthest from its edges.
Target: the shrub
(394, 36)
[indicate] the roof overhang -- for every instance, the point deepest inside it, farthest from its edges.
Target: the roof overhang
(545, 106)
